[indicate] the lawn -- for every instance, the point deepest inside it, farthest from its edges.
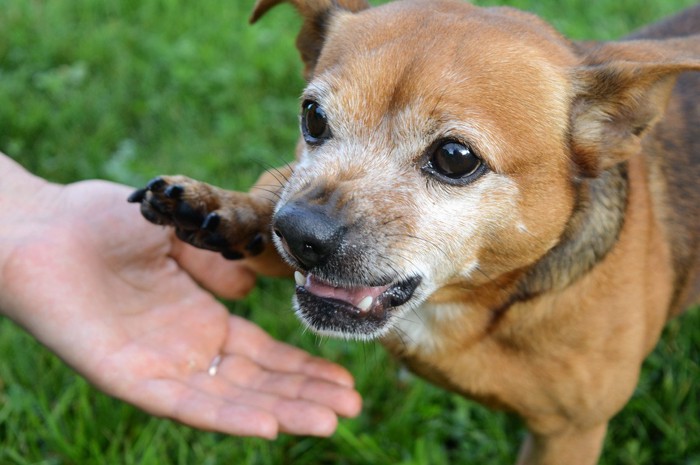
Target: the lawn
(128, 89)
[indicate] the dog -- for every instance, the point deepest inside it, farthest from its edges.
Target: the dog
(515, 215)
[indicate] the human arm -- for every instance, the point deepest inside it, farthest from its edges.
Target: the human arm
(118, 300)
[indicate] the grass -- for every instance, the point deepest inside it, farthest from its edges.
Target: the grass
(126, 90)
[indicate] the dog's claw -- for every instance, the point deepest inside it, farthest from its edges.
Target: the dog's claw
(174, 192)
(211, 222)
(155, 184)
(257, 245)
(137, 196)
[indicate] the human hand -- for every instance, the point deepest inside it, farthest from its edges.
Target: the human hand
(116, 298)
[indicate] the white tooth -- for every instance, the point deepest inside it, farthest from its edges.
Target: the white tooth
(299, 278)
(365, 303)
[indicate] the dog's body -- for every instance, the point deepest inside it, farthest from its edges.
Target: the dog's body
(515, 215)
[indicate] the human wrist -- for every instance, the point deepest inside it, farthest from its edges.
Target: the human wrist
(17, 183)
(26, 202)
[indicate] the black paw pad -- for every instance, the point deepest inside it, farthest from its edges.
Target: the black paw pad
(232, 255)
(214, 242)
(185, 236)
(188, 217)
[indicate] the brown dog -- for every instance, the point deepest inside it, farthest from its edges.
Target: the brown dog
(513, 214)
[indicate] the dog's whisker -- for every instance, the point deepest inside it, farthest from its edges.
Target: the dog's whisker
(276, 172)
(424, 240)
(372, 347)
(270, 167)
(418, 315)
(434, 113)
(388, 222)
(394, 267)
(479, 270)
(272, 202)
(268, 190)
(320, 340)
(289, 166)
(401, 335)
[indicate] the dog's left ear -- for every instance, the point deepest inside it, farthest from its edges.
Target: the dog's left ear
(621, 90)
(316, 15)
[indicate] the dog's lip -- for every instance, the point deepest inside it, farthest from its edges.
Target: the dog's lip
(363, 299)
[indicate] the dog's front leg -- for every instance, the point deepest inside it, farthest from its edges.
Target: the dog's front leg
(573, 447)
(236, 224)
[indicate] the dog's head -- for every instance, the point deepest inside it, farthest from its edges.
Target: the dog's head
(442, 149)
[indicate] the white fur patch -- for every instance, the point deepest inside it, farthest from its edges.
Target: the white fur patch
(416, 329)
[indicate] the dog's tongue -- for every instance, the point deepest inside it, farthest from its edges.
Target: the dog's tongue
(355, 296)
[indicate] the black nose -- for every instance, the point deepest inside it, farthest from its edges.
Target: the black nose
(308, 233)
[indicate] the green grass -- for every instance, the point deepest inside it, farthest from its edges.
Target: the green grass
(128, 89)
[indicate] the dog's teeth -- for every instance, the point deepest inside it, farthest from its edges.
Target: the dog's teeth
(365, 303)
(299, 278)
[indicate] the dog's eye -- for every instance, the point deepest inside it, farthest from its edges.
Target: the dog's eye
(453, 162)
(314, 124)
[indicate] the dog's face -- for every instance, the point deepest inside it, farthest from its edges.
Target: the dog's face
(434, 158)
(443, 151)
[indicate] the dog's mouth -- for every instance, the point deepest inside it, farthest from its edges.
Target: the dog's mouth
(350, 311)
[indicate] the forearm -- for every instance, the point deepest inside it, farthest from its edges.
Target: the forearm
(21, 213)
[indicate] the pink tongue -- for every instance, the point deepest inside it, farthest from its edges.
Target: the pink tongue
(352, 295)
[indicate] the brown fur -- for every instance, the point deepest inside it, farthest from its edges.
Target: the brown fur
(541, 284)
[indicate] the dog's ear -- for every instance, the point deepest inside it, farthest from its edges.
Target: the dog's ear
(316, 15)
(621, 90)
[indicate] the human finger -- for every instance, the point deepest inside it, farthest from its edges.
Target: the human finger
(225, 278)
(250, 340)
(244, 372)
(213, 403)
(203, 405)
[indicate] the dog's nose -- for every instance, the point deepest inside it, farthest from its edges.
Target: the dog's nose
(308, 233)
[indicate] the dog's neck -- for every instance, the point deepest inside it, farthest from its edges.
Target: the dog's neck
(590, 234)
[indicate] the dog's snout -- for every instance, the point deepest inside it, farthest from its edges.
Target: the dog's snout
(308, 233)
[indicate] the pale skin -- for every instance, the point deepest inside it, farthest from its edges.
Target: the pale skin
(129, 307)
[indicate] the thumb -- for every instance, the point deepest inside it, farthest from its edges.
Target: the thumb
(225, 278)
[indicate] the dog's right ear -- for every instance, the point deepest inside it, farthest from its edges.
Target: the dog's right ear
(316, 15)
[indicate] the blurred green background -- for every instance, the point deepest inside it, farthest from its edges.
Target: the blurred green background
(127, 89)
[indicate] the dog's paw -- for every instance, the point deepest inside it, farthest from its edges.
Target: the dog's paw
(203, 215)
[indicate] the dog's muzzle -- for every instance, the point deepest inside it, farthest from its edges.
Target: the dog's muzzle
(335, 293)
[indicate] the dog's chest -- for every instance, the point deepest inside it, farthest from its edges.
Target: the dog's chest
(447, 344)
(431, 328)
